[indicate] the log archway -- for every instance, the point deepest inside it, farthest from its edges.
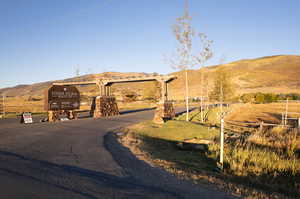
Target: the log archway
(105, 99)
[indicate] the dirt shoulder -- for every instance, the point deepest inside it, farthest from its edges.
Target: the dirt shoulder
(140, 168)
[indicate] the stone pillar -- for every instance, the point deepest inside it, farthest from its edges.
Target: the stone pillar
(72, 115)
(104, 106)
(53, 116)
(164, 111)
(50, 116)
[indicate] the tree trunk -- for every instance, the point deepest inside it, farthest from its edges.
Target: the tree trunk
(186, 96)
(201, 90)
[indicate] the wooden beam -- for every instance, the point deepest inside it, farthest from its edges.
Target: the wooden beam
(74, 83)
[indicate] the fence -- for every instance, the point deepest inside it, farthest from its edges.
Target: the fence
(253, 126)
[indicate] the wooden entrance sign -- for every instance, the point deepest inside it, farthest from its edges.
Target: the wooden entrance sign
(61, 99)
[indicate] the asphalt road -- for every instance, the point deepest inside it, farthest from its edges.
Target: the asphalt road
(71, 159)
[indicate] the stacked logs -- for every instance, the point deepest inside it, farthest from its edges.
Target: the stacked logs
(104, 106)
(165, 110)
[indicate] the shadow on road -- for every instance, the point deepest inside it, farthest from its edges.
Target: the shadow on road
(86, 183)
(184, 111)
(136, 110)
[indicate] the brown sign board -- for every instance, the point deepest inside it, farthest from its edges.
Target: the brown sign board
(62, 98)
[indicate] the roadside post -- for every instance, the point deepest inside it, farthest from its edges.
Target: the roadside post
(3, 105)
(222, 143)
(286, 111)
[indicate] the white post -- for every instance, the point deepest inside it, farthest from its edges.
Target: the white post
(186, 96)
(222, 142)
(286, 111)
(3, 105)
(221, 100)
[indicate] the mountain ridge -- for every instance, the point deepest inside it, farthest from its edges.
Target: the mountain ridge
(276, 74)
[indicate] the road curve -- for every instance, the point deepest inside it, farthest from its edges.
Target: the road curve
(69, 160)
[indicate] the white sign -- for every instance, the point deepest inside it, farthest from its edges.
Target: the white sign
(27, 118)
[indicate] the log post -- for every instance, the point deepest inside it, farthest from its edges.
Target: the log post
(163, 91)
(167, 88)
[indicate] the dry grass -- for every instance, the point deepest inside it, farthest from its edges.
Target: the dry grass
(265, 164)
(269, 113)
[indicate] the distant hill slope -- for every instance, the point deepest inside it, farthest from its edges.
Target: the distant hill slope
(277, 74)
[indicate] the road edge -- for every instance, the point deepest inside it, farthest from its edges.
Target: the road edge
(144, 173)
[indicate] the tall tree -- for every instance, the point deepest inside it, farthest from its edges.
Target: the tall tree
(223, 89)
(204, 55)
(184, 57)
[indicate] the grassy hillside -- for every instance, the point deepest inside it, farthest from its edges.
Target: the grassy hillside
(277, 74)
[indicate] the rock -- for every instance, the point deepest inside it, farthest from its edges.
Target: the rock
(54, 116)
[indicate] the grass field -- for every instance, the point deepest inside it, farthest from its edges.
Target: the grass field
(269, 113)
(17, 105)
(261, 165)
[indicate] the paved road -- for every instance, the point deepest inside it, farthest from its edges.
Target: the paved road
(69, 160)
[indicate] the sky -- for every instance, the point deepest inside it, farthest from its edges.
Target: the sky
(42, 40)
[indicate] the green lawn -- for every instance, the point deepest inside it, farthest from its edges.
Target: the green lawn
(176, 130)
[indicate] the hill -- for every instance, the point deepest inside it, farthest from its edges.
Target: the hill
(276, 74)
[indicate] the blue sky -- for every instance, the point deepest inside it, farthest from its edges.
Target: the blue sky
(43, 40)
